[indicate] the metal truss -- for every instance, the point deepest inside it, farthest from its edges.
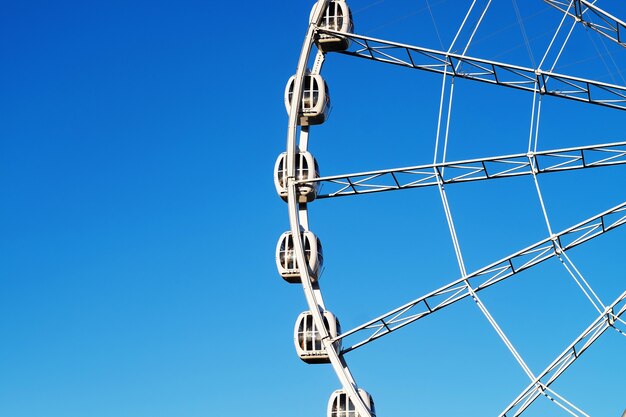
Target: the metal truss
(492, 72)
(473, 170)
(565, 359)
(488, 276)
(609, 26)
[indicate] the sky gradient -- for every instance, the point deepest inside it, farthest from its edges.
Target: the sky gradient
(139, 217)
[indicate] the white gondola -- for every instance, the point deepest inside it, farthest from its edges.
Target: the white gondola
(306, 169)
(286, 261)
(337, 17)
(340, 405)
(315, 102)
(308, 340)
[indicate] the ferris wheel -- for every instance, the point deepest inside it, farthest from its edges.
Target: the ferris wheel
(318, 336)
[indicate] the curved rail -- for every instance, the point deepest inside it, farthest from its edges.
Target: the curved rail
(298, 217)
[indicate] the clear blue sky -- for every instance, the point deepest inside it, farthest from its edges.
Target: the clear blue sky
(138, 217)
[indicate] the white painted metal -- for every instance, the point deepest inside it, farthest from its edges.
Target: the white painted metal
(316, 325)
(564, 360)
(298, 217)
(483, 70)
(610, 26)
(488, 276)
(557, 160)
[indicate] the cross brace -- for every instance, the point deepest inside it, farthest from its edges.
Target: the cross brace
(492, 72)
(472, 170)
(565, 359)
(609, 26)
(488, 276)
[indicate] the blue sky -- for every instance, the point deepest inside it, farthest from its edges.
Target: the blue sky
(139, 217)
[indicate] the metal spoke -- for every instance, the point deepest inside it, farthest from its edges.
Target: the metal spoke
(536, 388)
(492, 72)
(488, 276)
(440, 173)
(609, 26)
(472, 170)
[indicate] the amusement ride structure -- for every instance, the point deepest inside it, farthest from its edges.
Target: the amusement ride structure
(318, 336)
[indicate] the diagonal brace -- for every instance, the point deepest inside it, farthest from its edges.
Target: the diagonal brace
(483, 70)
(487, 276)
(536, 388)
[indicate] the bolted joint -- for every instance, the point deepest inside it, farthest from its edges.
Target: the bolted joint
(610, 318)
(555, 243)
(532, 161)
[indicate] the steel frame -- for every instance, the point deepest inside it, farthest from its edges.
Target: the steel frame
(564, 360)
(487, 276)
(483, 70)
(558, 160)
(611, 27)
(461, 66)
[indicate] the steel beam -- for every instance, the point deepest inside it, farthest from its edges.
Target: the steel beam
(483, 70)
(557, 160)
(609, 26)
(487, 276)
(565, 359)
